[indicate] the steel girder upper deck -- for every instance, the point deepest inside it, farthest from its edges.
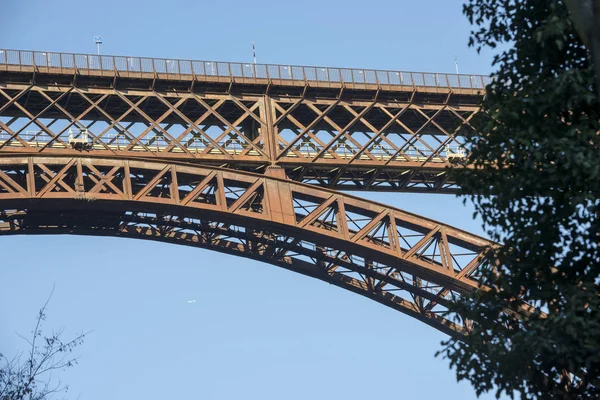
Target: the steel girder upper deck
(331, 127)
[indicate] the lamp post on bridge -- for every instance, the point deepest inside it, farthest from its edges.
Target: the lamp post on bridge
(98, 41)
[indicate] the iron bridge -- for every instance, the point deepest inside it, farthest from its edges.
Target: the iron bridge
(249, 160)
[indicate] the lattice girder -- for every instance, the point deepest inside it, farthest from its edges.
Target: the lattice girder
(405, 261)
(343, 143)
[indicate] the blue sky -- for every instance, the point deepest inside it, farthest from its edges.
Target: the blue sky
(255, 332)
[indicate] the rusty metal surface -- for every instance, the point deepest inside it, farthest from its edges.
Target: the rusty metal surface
(400, 141)
(244, 159)
(404, 261)
(171, 69)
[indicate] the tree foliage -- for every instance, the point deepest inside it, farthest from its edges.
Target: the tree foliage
(534, 177)
(585, 14)
(28, 375)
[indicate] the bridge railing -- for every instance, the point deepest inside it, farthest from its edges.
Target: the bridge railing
(120, 141)
(176, 69)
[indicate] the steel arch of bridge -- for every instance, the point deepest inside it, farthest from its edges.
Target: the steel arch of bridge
(402, 260)
(246, 164)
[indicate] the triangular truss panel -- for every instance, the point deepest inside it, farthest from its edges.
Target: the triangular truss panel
(199, 189)
(13, 181)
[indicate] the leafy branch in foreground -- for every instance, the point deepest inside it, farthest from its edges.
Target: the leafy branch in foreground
(29, 375)
(534, 177)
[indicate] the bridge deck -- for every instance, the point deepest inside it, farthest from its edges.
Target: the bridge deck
(127, 67)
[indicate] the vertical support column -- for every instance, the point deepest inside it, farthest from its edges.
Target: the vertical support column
(174, 186)
(369, 281)
(250, 128)
(419, 301)
(279, 196)
(321, 258)
(341, 218)
(127, 188)
(79, 185)
(30, 177)
(269, 130)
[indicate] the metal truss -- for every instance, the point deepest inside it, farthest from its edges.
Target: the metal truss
(244, 161)
(404, 261)
(394, 138)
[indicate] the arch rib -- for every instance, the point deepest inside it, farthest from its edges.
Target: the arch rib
(407, 262)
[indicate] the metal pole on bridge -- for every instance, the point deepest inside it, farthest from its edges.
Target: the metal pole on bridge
(98, 41)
